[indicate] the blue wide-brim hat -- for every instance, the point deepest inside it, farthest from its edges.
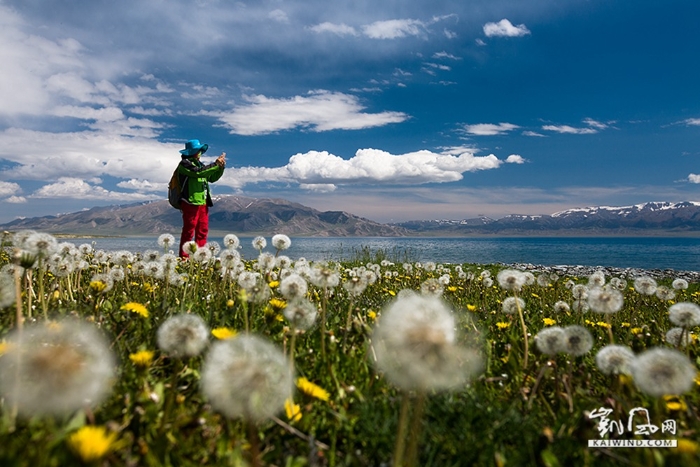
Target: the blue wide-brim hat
(192, 147)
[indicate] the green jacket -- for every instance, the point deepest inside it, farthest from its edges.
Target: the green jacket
(198, 177)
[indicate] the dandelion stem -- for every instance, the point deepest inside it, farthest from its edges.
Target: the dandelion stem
(399, 447)
(415, 429)
(254, 441)
(524, 327)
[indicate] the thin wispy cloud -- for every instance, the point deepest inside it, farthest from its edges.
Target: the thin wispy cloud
(490, 129)
(341, 29)
(505, 28)
(394, 29)
(692, 121)
(317, 111)
(592, 128)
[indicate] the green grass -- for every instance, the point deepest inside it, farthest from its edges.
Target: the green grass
(504, 417)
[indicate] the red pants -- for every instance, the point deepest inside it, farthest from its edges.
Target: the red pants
(195, 224)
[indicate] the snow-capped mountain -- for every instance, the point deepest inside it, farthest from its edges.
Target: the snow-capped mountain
(647, 218)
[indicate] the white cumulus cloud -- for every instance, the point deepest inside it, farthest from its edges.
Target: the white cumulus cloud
(9, 189)
(320, 170)
(69, 187)
(317, 111)
(505, 28)
(694, 178)
(515, 159)
(16, 199)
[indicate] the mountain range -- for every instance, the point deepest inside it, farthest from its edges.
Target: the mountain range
(244, 215)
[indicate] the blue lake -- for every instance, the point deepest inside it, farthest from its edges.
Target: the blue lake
(677, 253)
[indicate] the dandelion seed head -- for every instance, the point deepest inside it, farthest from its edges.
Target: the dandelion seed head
(266, 261)
(324, 276)
(355, 285)
(605, 300)
(510, 305)
(551, 340)
(561, 307)
(281, 242)
(664, 293)
(660, 371)
(166, 240)
(511, 279)
(151, 255)
(246, 377)
(202, 255)
(597, 279)
(231, 242)
(248, 279)
(61, 368)
(679, 284)
(645, 285)
(183, 335)
(684, 314)
(579, 292)
(578, 340)
(301, 313)
(618, 283)
(41, 245)
(213, 247)
(415, 345)
(614, 360)
(431, 287)
(679, 337)
(293, 286)
(259, 243)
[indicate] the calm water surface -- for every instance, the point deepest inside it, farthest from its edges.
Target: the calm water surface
(682, 254)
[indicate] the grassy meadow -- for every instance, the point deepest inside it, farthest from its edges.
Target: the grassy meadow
(141, 359)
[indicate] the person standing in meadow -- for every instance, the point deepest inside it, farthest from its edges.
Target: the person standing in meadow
(195, 198)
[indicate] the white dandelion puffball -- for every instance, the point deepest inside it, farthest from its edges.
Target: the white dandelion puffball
(684, 314)
(578, 340)
(511, 279)
(281, 242)
(605, 300)
(415, 345)
(183, 335)
(551, 340)
(661, 371)
(614, 360)
(246, 377)
(57, 368)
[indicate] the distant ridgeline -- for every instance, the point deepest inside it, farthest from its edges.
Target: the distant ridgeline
(238, 214)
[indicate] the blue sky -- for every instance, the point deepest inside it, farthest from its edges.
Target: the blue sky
(391, 110)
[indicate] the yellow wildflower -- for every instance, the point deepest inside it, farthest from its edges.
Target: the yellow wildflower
(372, 315)
(312, 389)
(278, 304)
(136, 308)
(224, 333)
(502, 325)
(534, 295)
(98, 286)
(229, 303)
(625, 325)
(549, 321)
(603, 324)
(687, 446)
(148, 287)
(675, 403)
(471, 307)
(293, 410)
(92, 443)
(142, 358)
(636, 330)
(274, 284)
(452, 288)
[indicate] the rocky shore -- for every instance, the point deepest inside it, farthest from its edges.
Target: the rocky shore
(625, 273)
